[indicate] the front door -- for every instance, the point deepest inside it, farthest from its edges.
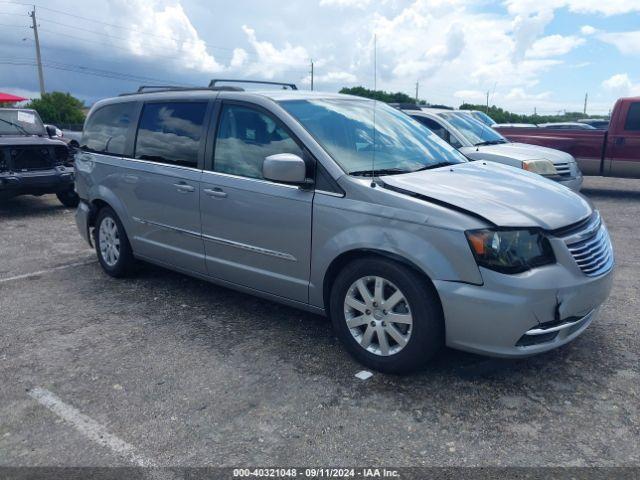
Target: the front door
(162, 184)
(256, 233)
(623, 147)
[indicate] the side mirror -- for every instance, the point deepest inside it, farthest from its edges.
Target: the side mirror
(51, 131)
(285, 168)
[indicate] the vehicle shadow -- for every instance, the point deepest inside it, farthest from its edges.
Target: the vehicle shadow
(24, 206)
(617, 194)
(306, 341)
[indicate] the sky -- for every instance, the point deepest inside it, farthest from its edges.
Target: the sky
(541, 55)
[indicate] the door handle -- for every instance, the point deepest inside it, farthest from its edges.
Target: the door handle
(215, 192)
(619, 141)
(184, 188)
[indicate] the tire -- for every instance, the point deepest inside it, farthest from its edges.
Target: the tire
(69, 198)
(409, 346)
(112, 244)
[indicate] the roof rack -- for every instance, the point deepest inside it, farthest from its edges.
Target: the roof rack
(213, 82)
(174, 88)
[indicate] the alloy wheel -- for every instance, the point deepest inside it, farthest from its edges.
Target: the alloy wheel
(378, 315)
(109, 241)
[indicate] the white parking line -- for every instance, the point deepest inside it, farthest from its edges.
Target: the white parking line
(48, 270)
(89, 427)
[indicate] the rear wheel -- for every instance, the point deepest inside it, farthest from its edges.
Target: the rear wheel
(387, 315)
(69, 198)
(112, 245)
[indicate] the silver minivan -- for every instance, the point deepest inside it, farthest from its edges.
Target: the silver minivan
(344, 207)
(477, 141)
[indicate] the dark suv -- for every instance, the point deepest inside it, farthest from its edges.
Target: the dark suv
(31, 162)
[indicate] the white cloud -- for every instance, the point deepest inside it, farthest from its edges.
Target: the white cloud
(526, 29)
(521, 94)
(604, 7)
(271, 60)
(553, 46)
(588, 30)
(470, 95)
(159, 31)
(621, 84)
(239, 57)
(345, 3)
(628, 43)
(333, 77)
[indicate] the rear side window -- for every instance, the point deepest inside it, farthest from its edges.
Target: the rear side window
(633, 117)
(245, 137)
(171, 132)
(107, 129)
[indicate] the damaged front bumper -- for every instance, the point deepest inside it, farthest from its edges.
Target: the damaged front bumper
(521, 315)
(37, 182)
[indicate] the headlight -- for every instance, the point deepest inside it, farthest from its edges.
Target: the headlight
(510, 251)
(542, 167)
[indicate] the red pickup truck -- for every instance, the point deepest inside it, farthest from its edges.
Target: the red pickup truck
(613, 153)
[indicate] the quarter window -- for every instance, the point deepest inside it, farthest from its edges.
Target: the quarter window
(633, 117)
(171, 132)
(107, 129)
(245, 137)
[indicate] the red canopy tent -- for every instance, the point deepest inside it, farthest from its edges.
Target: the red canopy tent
(8, 98)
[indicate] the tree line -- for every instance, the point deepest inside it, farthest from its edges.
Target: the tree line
(498, 114)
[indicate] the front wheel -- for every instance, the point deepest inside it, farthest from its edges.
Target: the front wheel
(112, 245)
(69, 198)
(387, 315)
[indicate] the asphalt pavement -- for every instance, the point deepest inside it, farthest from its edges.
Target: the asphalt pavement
(162, 369)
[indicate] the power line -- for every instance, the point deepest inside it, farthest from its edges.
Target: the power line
(127, 28)
(87, 71)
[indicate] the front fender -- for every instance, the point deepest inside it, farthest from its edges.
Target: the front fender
(440, 253)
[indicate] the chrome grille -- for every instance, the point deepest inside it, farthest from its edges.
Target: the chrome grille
(563, 169)
(591, 248)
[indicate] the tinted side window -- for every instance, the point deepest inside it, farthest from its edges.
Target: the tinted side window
(633, 117)
(107, 128)
(171, 132)
(245, 137)
(434, 126)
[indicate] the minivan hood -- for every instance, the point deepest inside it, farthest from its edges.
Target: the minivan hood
(502, 195)
(519, 151)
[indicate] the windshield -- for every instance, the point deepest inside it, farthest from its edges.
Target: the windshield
(483, 117)
(475, 132)
(344, 128)
(20, 122)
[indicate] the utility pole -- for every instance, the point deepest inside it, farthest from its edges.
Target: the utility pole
(535, 111)
(38, 58)
(487, 102)
(586, 96)
(312, 74)
(417, 88)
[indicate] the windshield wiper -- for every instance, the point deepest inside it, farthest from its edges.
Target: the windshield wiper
(489, 142)
(434, 165)
(381, 171)
(19, 127)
